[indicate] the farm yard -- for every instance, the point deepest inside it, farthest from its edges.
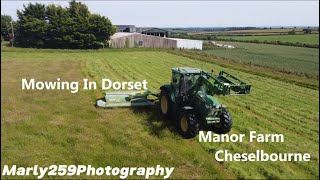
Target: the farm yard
(78, 133)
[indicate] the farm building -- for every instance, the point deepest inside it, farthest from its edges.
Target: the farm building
(156, 32)
(143, 30)
(130, 40)
(126, 28)
(188, 44)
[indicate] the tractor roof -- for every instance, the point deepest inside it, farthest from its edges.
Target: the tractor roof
(186, 70)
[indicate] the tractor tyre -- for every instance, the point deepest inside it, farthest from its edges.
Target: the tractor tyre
(188, 124)
(165, 104)
(225, 124)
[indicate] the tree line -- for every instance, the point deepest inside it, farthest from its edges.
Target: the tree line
(54, 26)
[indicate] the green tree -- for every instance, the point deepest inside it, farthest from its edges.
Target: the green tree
(32, 26)
(6, 28)
(307, 31)
(293, 32)
(58, 27)
(59, 20)
(78, 29)
(101, 27)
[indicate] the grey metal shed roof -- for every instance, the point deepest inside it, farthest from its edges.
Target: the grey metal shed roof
(155, 30)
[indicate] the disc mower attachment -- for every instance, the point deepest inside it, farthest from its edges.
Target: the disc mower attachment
(127, 99)
(233, 85)
(223, 84)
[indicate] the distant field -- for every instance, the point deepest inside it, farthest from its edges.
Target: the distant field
(249, 32)
(266, 36)
(284, 58)
(57, 127)
(304, 39)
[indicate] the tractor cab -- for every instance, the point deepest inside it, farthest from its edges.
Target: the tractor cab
(183, 79)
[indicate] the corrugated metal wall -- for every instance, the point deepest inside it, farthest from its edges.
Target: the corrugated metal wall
(147, 41)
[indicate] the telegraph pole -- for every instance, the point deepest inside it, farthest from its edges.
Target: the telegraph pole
(12, 39)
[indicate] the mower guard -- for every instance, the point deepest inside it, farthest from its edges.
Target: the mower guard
(127, 99)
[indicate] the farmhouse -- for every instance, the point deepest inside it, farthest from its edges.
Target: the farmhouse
(131, 40)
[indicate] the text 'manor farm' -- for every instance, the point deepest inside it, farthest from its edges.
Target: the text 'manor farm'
(258, 155)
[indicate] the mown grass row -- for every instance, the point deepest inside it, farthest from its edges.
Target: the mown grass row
(297, 60)
(281, 66)
(57, 127)
(273, 107)
(78, 133)
(298, 70)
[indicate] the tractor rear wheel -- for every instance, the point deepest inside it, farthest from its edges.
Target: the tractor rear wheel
(188, 124)
(225, 124)
(165, 104)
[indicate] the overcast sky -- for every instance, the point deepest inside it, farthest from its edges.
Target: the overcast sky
(196, 13)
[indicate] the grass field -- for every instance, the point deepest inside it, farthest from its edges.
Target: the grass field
(250, 31)
(304, 39)
(284, 58)
(57, 127)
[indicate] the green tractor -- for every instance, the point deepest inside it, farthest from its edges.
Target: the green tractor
(189, 100)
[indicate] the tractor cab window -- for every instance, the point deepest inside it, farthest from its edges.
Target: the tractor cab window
(187, 81)
(207, 87)
(176, 80)
(191, 79)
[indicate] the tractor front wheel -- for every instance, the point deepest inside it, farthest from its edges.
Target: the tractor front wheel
(225, 124)
(188, 124)
(165, 105)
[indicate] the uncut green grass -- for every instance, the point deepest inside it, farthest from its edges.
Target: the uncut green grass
(128, 137)
(304, 39)
(284, 58)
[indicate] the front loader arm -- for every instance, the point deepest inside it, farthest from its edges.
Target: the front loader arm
(223, 84)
